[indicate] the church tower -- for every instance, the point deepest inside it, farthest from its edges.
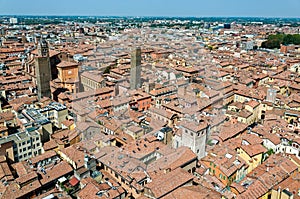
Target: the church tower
(43, 70)
(135, 70)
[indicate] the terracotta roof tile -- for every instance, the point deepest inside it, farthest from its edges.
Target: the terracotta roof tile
(169, 182)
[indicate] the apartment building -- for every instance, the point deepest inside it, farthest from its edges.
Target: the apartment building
(56, 113)
(43, 119)
(27, 145)
(22, 145)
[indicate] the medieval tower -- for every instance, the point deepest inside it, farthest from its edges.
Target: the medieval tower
(43, 70)
(135, 71)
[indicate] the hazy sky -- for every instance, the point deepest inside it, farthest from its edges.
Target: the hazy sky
(277, 8)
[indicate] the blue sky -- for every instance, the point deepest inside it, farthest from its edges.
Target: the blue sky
(198, 8)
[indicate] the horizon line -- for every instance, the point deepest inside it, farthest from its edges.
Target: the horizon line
(148, 16)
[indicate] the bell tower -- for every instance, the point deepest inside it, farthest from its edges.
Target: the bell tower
(43, 70)
(43, 50)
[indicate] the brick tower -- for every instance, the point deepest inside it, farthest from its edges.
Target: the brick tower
(135, 71)
(43, 70)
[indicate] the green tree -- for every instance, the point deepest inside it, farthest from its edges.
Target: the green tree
(288, 39)
(274, 41)
(107, 70)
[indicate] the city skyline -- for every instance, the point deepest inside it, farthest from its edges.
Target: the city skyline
(168, 8)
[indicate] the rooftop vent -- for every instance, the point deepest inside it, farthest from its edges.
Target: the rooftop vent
(228, 155)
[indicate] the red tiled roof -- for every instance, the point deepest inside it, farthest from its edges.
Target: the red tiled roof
(66, 64)
(74, 181)
(169, 182)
